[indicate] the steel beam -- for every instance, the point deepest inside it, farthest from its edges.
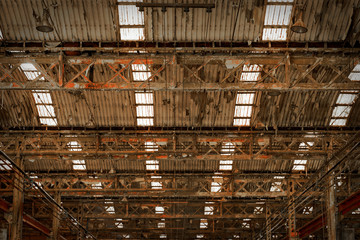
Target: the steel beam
(228, 48)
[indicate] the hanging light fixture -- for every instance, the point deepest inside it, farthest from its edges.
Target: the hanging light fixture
(43, 24)
(299, 25)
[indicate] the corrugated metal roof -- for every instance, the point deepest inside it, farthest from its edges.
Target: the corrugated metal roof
(75, 20)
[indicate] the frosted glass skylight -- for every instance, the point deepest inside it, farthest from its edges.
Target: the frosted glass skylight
(243, 108)
(277, 20)
(131, 22)
(342, 107)
(144, 108)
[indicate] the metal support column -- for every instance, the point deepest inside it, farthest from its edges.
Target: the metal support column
(291, 213)
(331, 210)
(56, 218)
(16, 225)
(268, 222)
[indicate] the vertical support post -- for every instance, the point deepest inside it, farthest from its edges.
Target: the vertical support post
(268, 222)
(291, 213)
(287, 70)
(331, 202)
(56, 218)
(331, 210)
(61, 69)
(16, 225)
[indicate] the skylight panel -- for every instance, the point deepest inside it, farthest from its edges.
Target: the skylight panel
(141, 76)
(258, 210)
(241, 122)
(227, 148)
(355, 74)
(243, 111)
(45, 110)
(152, 165)
(145, 122)
(277, 20)
(276, 186)
(278, 15)
(131, 22)
(144, 108)
(163, 236)
(119, 223)
(246, 223)
(308, 210)
(132, 34)
(130, 15)
(79, 164)
(48, 121)
(245, 98)
(110, 209)
(74, 146)
(341, 111)
(151, 146)
(139, 67)
(338, 122)
(345, 98)
(225, 165)
(42, 97)
(159, 210)
(1, 35)
(145, 111)
(30, 71)
(144, 98)
(345, 101)
(216, 184)
(243, 108)
(299, 165)
(250, 73)
(274, 34)
(155, 184)
(199, 235)
(203, 223)
(208, 209)
(5, 165)
(28, 67)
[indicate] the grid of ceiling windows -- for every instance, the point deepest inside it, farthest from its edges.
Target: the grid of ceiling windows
(151, 165)
(276, 186)
(345, 101)
(243, 108)
(277, 20)
(251, 73)
(342, 107)
(131, 21)
(74, 146)
(301, 164)
(216, 184)
(208, 210)
(43, 100)
(144, 108)
(227, 149)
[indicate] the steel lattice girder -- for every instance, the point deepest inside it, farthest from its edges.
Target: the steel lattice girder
(70, 74)
(177, 186)
(198, 147)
